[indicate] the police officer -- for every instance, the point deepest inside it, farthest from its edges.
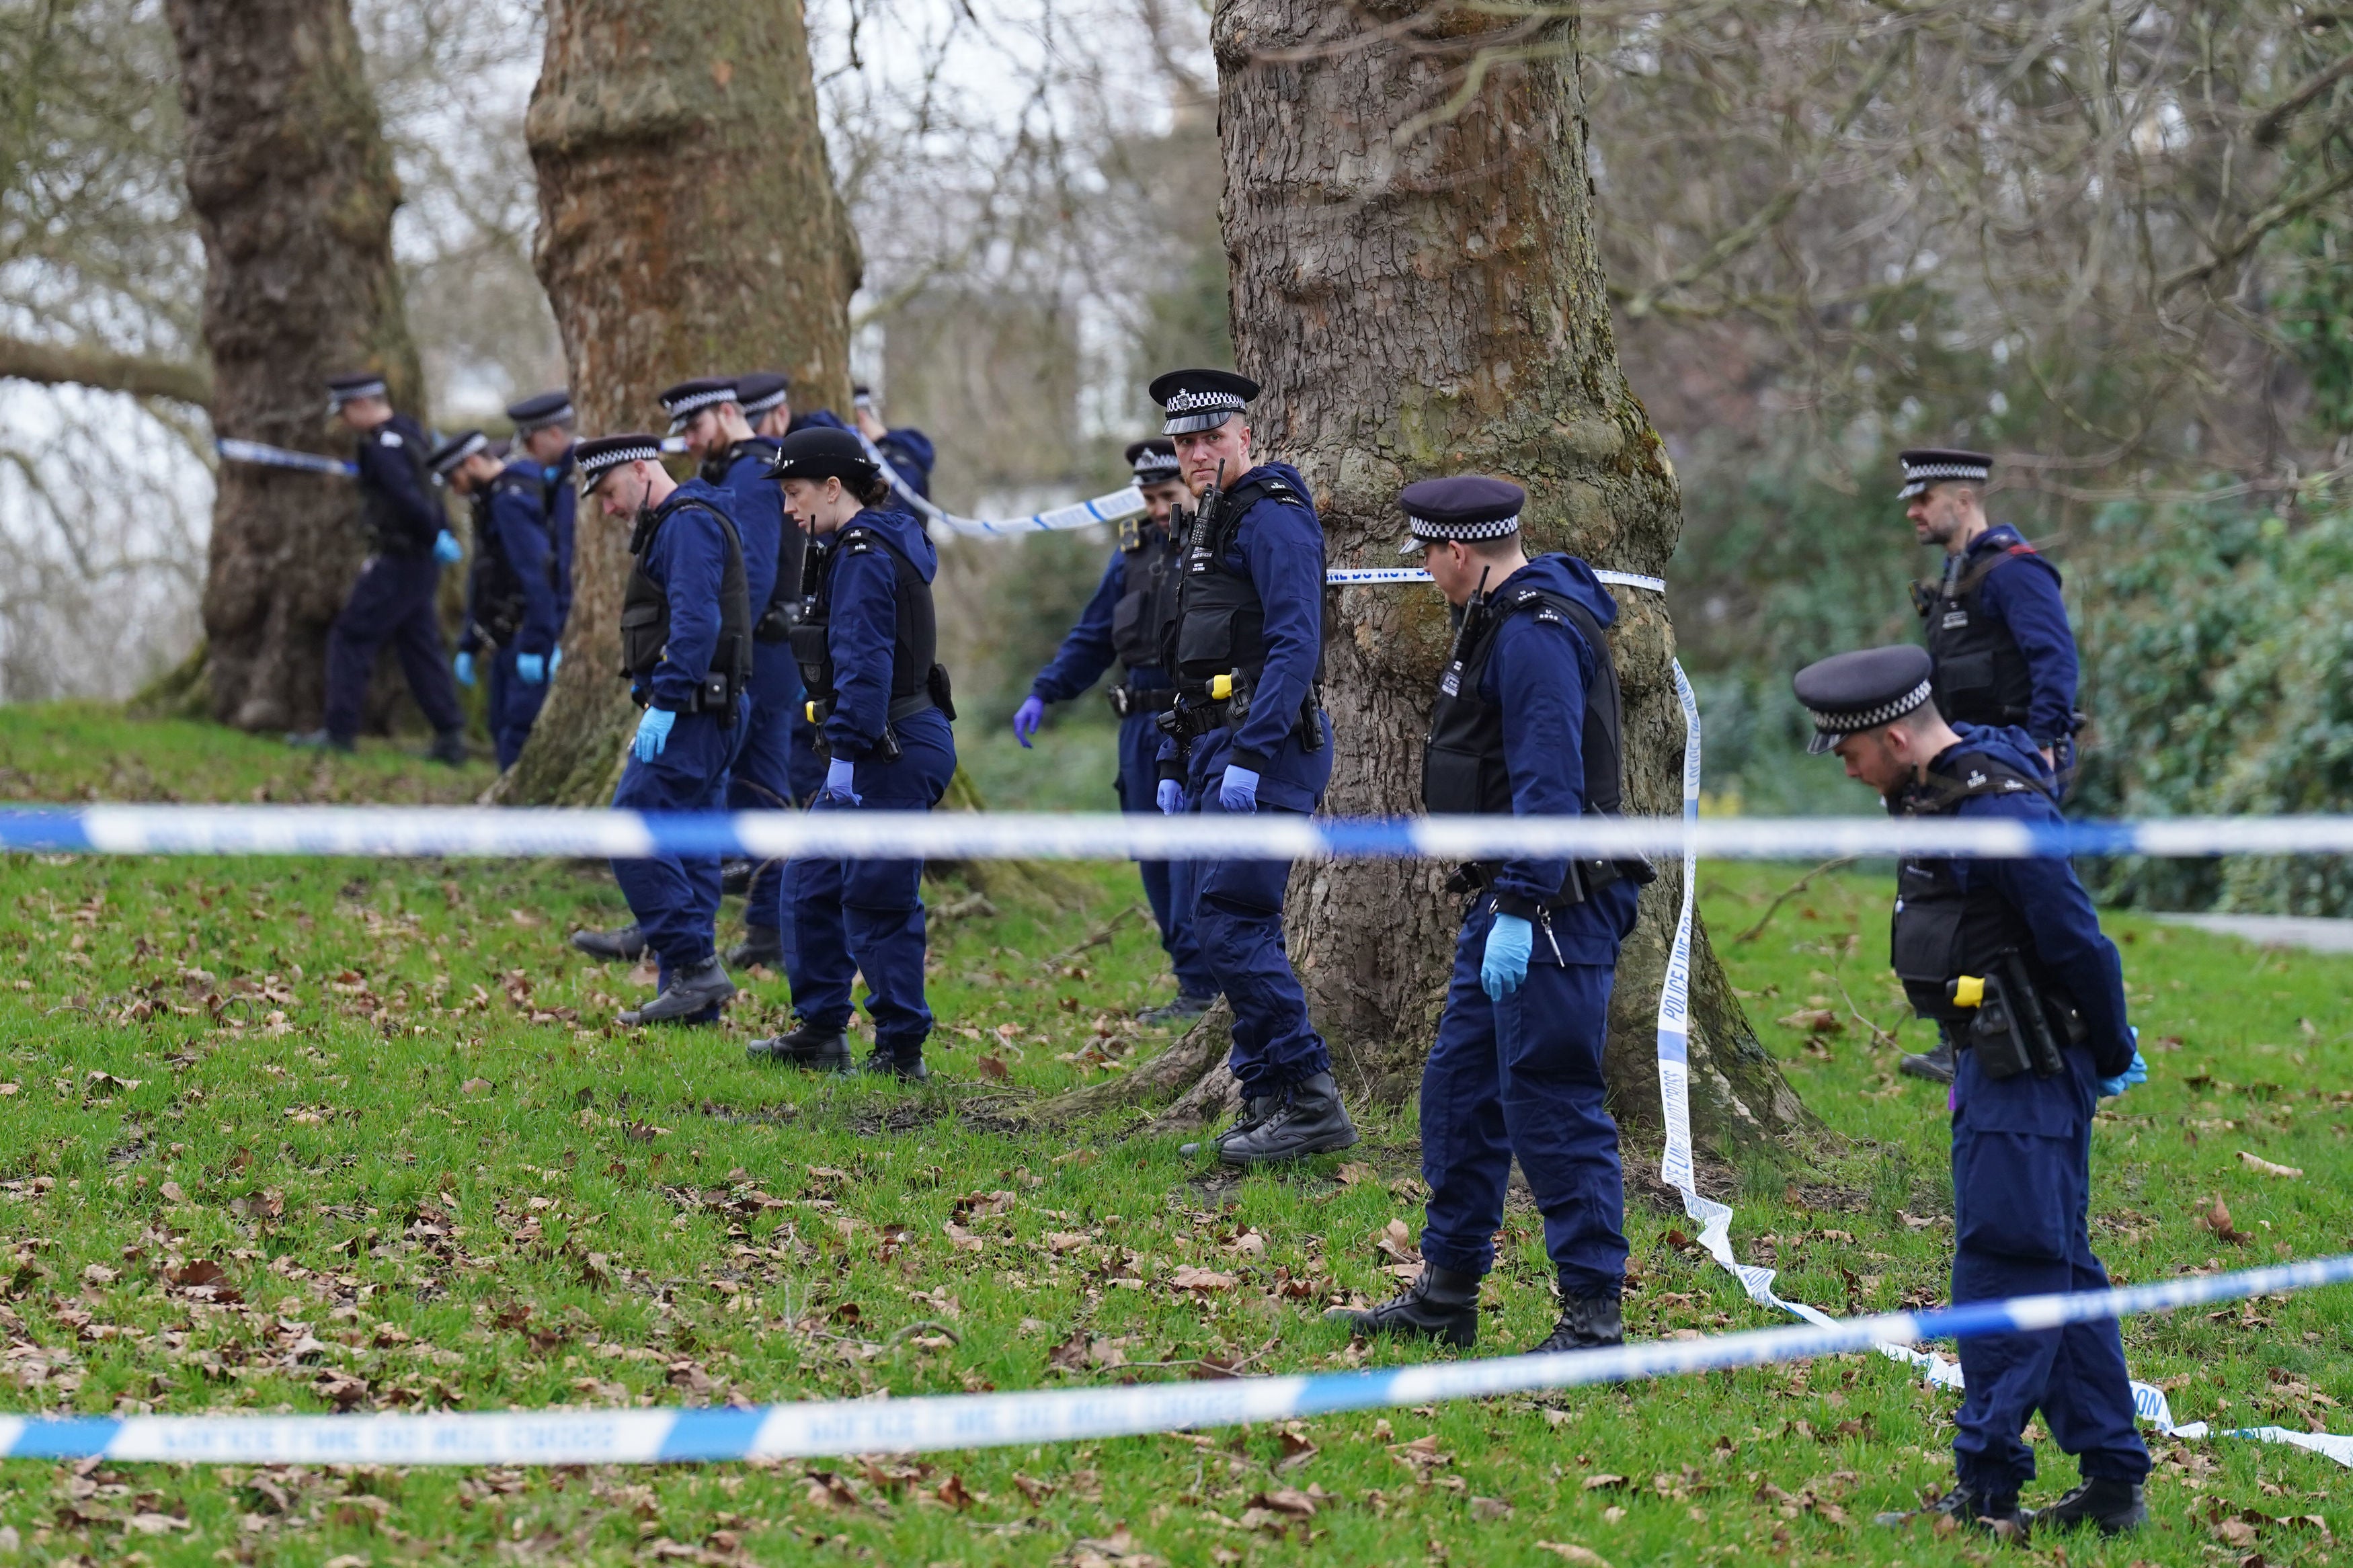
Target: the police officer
(543, 426)
(1997, 629)
(1527, 723)
(686, 651)
(867, 641)
(2007, 954)
(767, 395)
(1248, 733)
(393, 602)
(510, 592)
(1125, 620)
(907, 450)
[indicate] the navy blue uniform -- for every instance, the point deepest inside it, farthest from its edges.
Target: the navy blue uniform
(563, 528)
(2022, 1178)
(1086, 652)
(2017, 590)
(1236, 905)
(676, 897)
(393, 601)
(865, 916)
(1523, 1075)
(510, 532)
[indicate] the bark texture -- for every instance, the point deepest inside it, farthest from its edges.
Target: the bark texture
(688, 226)
(293, 191)
(1410, 229)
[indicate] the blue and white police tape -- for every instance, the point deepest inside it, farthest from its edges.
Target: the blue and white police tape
(481, 831)
(235, 451)
(824, 1427)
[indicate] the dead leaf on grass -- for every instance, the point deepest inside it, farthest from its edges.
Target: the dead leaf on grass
(1188, 1278)
(1568, 1550)
(2257, 1162)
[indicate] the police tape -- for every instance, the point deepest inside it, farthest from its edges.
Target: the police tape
(819, 1428)
(236, 451)
(475, 832)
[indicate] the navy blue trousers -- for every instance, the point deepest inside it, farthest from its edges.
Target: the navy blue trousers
(392, 602)
(675, 898)
(762, 778)
(514, 707)
(1523, 1075)
(853, 918)
(2021, 1196)
(1238, 920)
(1139, 778)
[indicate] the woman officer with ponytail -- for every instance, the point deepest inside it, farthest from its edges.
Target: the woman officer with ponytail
(867, 644)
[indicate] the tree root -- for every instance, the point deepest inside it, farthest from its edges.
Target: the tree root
(1187, 1071)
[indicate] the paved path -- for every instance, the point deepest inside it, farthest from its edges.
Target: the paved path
(2314, 933)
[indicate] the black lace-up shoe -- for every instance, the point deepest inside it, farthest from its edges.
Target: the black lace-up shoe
(1308, 1118)
(1587, 1322)
(1440, 1304)
(2112, 1505)
(691, 995)
(626, 946)
(810, 1047)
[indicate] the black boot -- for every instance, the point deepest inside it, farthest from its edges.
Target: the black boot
(2114, 1506)
(761, 944)
(735, 878)
(1183, 1010)
(1937, 1066)
(450, 747)
(892, 1061)
(320, 741)
(691, 992)
(1981, 1512)
(1308, 1118)
(1440, 1304)
(1588, 1322)
(812, 1046)
(1252, 1114)
(626, 946)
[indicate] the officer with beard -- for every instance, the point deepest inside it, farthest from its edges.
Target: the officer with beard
(1126, 620)
(2006, 955)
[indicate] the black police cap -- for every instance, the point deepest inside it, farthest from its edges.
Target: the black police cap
(455, 450)
(1194, 400)
(820, 452)
(689, 398)
(539, 412)
(761, 392)
(1154, 461)
(1468, 507)
(1848, 693)
(601, 457)
(353, 386)
(1925, 465)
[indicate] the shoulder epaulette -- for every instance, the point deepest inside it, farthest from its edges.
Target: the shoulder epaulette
(386, 436)
(858, 542)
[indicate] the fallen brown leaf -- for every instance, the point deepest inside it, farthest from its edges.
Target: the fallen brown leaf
(2257, 1162)
(1570, 1551)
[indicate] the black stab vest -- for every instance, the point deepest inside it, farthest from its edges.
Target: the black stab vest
(1147, 610)
(645, 614)
(1982, 677)
(1462, 766)
(1220, 625)
(1941, 931)
(387, 531)
(768, 622)
(916, 639)
(498, 587)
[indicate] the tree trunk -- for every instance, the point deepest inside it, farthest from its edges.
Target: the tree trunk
(1410, 226)
(688, 226)
(293, 191)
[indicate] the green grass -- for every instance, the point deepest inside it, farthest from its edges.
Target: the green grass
(386, 1103)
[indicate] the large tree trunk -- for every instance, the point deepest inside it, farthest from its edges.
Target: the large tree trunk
(293, 192)
(688, 226)
(1415, 280)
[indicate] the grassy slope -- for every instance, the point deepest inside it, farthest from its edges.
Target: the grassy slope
(389, 1110)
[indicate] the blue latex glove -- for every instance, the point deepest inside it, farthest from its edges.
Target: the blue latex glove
(1238, 793)
(1025, 719)
(554, 663)
(1506, 963)
(530, 669)
(447, 550)
(2137, 1073)
(653, 733)
(464, 665)
(1170, 797)
(839, 774)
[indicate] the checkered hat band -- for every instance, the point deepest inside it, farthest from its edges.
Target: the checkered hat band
(759, 406)
(553, 416)
(364, 389)
(1186, 424)
(605, 461)
(1153, 466)
(474, 444)
(691, 401)
(1853, 722)
(1423, 528)
(1918, 477)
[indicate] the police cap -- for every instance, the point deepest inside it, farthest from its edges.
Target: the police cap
(540, 412)
(342, 389)
(820, 452)
(761, 392)
(601, 457)
(1469, 507)
(455, 450)
(1153, 460)
(1194, 400)
(1848, 693)
(1925, 465)
(689, 398)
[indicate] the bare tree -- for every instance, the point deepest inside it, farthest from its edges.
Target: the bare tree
(687, 225)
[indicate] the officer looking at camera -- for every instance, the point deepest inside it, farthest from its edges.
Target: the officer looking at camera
(2007, 956)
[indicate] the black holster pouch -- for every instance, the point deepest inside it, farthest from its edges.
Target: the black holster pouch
(2011, 1032)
